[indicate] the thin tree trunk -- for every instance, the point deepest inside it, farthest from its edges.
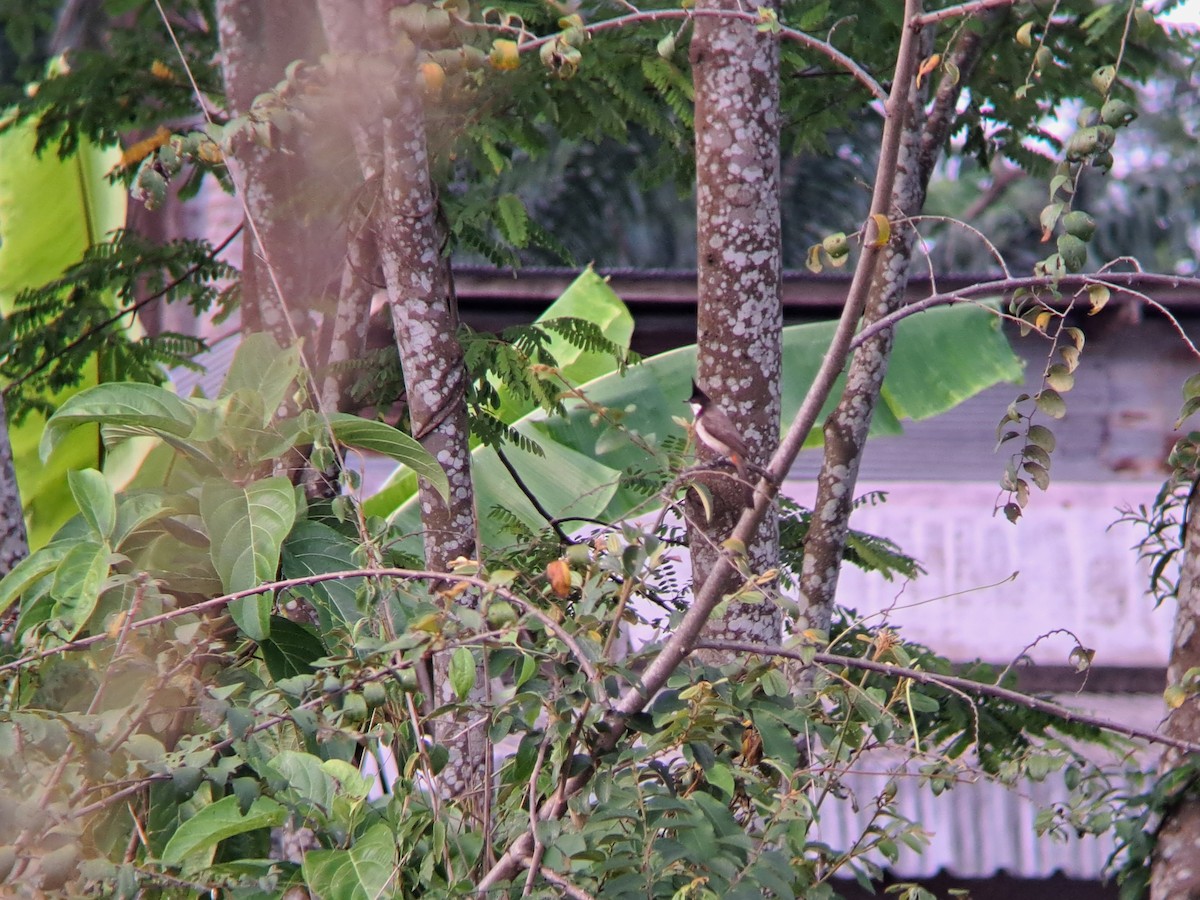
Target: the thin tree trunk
(288, 250)
(14, 544)
(846, 428)
(392, 149)
(739, 316)
(1175, 868)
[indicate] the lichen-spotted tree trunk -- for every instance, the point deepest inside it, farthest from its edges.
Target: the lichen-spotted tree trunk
(289, 246)
(14, 545)
(739, 315)
(390, 140)
(921, 141)
(1175, 869)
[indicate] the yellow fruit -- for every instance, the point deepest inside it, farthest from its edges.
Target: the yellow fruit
(433, 76)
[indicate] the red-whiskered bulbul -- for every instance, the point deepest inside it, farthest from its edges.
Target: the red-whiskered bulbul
(716, 430)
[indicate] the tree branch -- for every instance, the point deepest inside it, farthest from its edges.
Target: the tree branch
(1122, 282)
(956, 683)
(531, 497)
(922, 138)
(215, 603)
(962, 9)
(834, 55)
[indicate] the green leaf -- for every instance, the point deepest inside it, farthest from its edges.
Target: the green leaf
(778, 742)
(1060, 378)
(462, 672)
(1042, 437)
(32, 568)
(1049, 402)
(264, 369)
(588, 297)
(139, 407)
(199, 835)
(305, 777)
(940, 359)
(96, 501)
(77, 583)
(364, 872)
(247, 526)
(290, 648)
(379, 437)
(514, 220)
(313, 548)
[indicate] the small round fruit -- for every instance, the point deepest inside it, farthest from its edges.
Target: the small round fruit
(1073, 252)
(1080, 224)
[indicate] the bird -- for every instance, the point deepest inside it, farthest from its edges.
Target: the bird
(716, 430)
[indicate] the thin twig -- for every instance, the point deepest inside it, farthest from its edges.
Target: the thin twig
(1123, 282)
(407, 574)
(531, 496)
(121, 313)
(834, 55)
(962, 9)
(573, 891)
(952, 682)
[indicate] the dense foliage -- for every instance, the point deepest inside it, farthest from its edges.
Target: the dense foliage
(218, 679)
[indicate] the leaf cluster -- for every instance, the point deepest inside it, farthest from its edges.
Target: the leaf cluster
(869, 552)
(209, 513)
(212, 746)
(55, 331)
(126, 78)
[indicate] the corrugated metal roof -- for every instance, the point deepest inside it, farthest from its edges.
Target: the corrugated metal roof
(975, 830)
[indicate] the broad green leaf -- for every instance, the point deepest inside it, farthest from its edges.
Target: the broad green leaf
(587, 297)
(144, 408)
(199, 835)
(565, 481)
(33, 567)
(247, 526)
(77, 583)
(364, 872)
(51, 211)
(462, 672)
(262, 368)
(96, 501)
(306, 778)
(940, 359)
(290, 648)
(379, 437)
(316, 549)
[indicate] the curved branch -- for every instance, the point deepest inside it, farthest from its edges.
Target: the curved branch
(679, 645)
(830, 52)
(410, 574)
(531, 497)
(956, 683)
(962, 9)
(1122, 282)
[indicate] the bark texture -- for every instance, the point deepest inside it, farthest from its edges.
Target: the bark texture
(289, 250)
(1175, 870)
(845, 431)
(14, 544)
(739, 315)
(391, 142)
